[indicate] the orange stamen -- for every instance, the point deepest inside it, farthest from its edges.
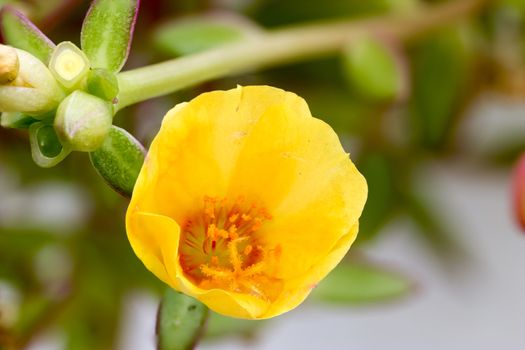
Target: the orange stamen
(227, 245)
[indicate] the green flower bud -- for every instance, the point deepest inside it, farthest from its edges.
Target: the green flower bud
(46, 149)
(68, 64)
(103, 84)
(16, 120)
(48, 141)
(83, 121)
(9, 64)
(34, 91)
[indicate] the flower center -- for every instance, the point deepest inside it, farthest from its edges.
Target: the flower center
(221, 248)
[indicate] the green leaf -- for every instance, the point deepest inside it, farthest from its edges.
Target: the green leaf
(223, 326)
(180, 321)
(382, 195)
(107, 32)
(434, 229)
(440, 76)
(278, 13)
(191, 35)
(119, 160)
(359, 283)
(372, 70)
(33, 309)
(18, 31)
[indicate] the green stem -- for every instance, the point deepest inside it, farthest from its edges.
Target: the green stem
(281, 46)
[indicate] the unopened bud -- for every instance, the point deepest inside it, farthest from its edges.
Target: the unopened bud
(34, 92)
(68, 64)
(46, 149)
(16, 120)
(9, 64)
(83, 121)
(48, 141)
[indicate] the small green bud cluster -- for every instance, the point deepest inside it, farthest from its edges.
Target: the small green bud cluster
(67, 105)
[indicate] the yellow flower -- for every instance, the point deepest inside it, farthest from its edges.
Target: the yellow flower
(245, 201)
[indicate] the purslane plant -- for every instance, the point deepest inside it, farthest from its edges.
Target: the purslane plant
(238, 257)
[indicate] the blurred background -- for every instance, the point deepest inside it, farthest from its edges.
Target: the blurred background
(435, 125)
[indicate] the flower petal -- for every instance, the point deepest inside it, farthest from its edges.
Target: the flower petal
(223, 301)
(312, 189)
(197, 149)
(155, 240)
(296, 290)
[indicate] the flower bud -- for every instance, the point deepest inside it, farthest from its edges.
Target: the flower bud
(68, 64)
(16, 120)
(48, 141)
(9, 64)
(83, 121)
(46, 149)
(34, 91)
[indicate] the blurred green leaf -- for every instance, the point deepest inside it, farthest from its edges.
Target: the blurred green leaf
(440, 75)
(371, 69)
(18, 31)
(359, 284)
(91, 318)
(17, 249)
(278, 12)
(432, 227)
(119, 160)
(32, 310)
(180, 321)
(107, 32)
(507, 151)
(333, 104)
(219, 326)
(382, 195)
(187, 36)
(22, 243)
